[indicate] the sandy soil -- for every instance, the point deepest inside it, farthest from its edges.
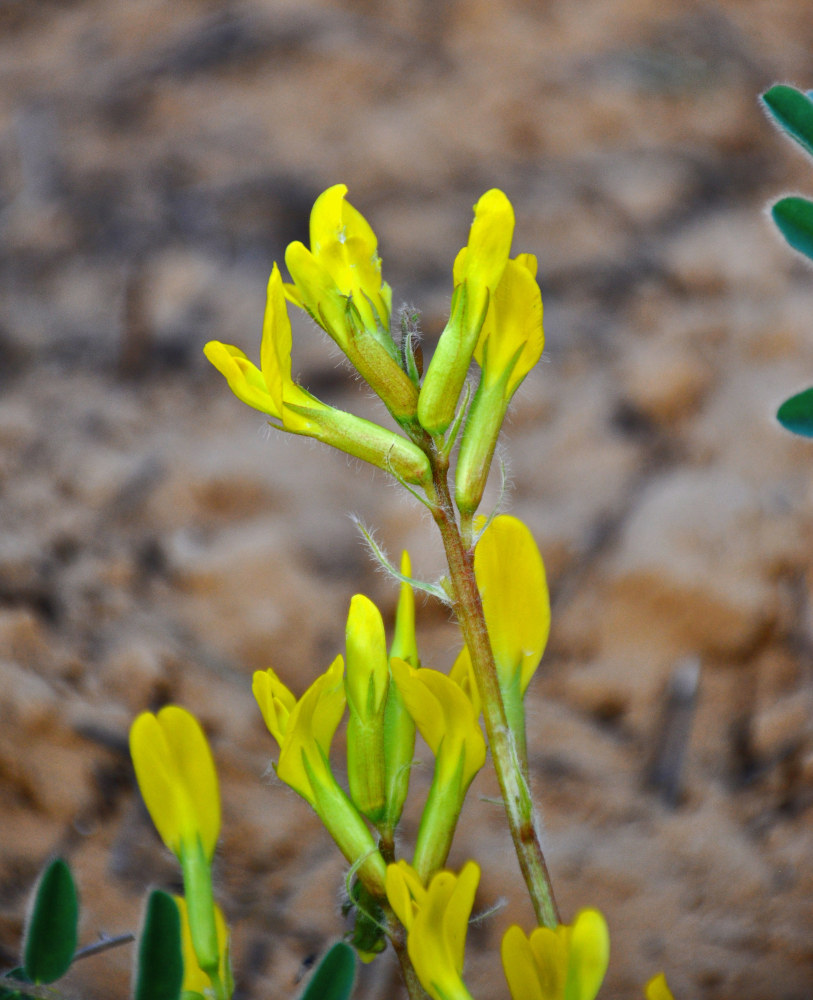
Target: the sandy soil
(157, 543)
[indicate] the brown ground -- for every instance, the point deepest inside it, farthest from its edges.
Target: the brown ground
(157, 544)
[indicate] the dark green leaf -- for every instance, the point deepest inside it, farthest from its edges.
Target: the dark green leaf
(793, 111)
(160, 960)
(50, 934)
(796, 413)
(794, 217)
(334, 976)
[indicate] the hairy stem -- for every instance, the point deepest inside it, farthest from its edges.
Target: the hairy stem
(519, 808)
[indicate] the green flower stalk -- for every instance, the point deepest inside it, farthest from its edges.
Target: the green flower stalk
(510, 344)
(272, 390)
(176, 774)
(436, 919)
(338, 283)
(304, 730)
(568, 962)
(478, 271)
(448, 723)
(366, 683)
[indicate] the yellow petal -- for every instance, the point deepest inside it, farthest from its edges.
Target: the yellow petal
(512, 337)
(589, 955)
(511, 580)
(488, 247)
(656, 988)
(367, 674)
(275, 350)
(310, 730)
(437, 939)
(318, 291)
(276, 702)
(520, 967)
(244, 378)
(177, 777)
(405, 891)
(462, 673)
(345, 244)
(445, 717)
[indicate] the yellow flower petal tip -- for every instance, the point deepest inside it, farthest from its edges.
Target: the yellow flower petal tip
(656, 988)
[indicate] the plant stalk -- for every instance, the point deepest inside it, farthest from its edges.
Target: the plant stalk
(519, 808)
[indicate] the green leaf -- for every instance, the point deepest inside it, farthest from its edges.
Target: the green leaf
(334, 976)
(51, 928)
(794, 217)
(160, 961)
(793, 111)
(796, 413)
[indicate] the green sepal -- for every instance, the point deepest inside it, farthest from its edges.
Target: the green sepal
(159, 972)
(794, 217)
(439, 818)
(52, 925)
(796, 413)
(792, 110)
(333, 978)
(200, 905)
(192, 995)
(367, 936)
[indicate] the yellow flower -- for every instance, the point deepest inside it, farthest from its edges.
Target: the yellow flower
(195, 980)
(511, 579)
(342, 263)
(568, 963)
(478, 272)
(436, 920)
(304, 730)
(446, 719)
(176, 774)
(448, 722)
(656, 988)
(272, 390)
(510, 344)
(338, 282)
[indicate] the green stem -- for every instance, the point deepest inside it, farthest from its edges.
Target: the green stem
(516, 794)
(397, 936)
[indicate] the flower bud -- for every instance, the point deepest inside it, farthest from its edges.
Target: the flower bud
(366, 683)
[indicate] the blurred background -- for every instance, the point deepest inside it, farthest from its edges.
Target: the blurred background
(158, 543)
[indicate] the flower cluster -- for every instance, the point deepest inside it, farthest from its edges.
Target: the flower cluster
(496, 587)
